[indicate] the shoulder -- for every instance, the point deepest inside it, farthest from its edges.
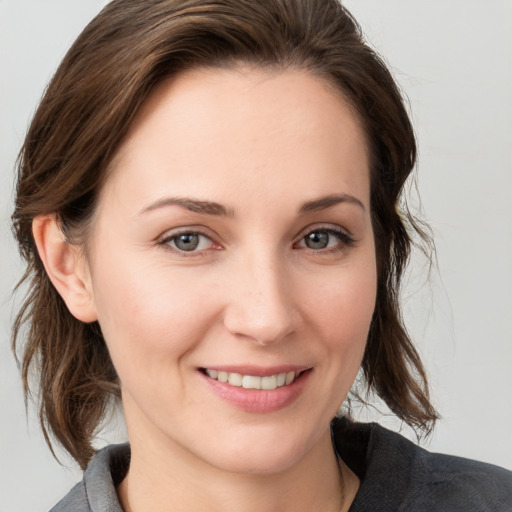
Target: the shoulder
(97, 491)
(460, 484)
(396, 474)
(75, 499)
(463, 483)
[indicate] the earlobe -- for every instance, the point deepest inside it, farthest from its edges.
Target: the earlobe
(65, 266)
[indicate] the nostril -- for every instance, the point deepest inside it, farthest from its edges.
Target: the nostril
(260, 324)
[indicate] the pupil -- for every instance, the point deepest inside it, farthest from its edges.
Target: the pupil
(187, 242)
(317, 240)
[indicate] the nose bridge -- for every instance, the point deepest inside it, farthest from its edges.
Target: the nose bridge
(261, 307)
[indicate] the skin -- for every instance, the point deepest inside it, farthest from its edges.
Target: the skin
(262, 145)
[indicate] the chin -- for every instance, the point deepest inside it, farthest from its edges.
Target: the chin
(265, 452)
(257, 462)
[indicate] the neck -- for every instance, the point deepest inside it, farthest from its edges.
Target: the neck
(162, 480)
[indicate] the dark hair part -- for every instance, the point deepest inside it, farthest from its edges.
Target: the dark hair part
(108, 73)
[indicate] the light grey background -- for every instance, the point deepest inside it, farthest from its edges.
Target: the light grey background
(453, 58)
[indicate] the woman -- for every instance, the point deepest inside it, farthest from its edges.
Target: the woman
(207, 204)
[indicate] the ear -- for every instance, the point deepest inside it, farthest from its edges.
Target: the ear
(66, 267)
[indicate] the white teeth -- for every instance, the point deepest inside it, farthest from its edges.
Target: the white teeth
(251, 381)
(235, 379)
(269, 382)
(212, 373)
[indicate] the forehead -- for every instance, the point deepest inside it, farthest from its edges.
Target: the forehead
(224, 131)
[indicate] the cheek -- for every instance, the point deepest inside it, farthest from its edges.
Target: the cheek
(147, 314)
(342, 312)
(344, 305)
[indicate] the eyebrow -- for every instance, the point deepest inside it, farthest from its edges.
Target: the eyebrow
(194, 205)
(326, 202)
(212, 208)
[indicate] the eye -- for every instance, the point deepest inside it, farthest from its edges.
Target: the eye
(325, 238)
(188, 241)
(317, 240)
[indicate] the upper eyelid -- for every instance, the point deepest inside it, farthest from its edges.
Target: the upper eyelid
(165, 241)
(183, 230)
(207, 232)
(322, 227)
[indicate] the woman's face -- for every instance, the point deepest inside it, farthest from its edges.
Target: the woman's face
(233, 240)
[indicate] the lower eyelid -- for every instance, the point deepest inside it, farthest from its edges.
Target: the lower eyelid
(344, 239)
(202, 240)
(342, 236)
(169, 238)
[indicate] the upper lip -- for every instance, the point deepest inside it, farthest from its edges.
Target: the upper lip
(258, 371)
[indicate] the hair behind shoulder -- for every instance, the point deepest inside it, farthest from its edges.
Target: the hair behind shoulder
(90, 103)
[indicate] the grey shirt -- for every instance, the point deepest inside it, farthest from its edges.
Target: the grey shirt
(396, 475)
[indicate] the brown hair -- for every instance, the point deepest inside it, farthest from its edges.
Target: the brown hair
(108, 73)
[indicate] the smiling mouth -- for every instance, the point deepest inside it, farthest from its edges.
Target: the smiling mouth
(268, 382)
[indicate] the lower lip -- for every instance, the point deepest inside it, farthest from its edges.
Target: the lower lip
(258, 400)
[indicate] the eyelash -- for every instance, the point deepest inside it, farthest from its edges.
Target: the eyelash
(344, 239)
(167, 240)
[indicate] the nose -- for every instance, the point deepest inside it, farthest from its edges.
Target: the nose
(260, 305)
